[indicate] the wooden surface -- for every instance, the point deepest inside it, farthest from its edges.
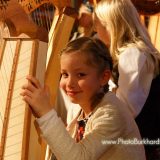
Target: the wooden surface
(154, 30)
(58, 39)
(15, 15)
(21, 139)
(147, 7)
(31, 5)
(19, 22)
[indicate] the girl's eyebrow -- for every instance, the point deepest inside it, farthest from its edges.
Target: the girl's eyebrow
(79, 69)
(76, 69)
(63, 71)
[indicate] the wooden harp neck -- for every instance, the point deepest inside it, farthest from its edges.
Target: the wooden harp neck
(147, 7)
(31, 6)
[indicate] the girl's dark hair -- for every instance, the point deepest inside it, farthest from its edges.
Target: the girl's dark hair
(97, 55)
(96, 51)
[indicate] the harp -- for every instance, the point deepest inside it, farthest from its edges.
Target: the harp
(24, 53)
(147, 7)
(19, 57)
(154, 30)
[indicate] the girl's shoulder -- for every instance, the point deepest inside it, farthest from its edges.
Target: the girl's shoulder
(111, 112)
(110, 105)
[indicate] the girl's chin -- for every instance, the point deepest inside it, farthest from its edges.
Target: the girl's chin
(73, 100)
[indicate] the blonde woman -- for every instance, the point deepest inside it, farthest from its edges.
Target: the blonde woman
(118, 25)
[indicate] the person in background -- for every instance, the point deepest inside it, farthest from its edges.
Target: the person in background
(85, 21)
(118, 25)
(136, 60)
(103, 126)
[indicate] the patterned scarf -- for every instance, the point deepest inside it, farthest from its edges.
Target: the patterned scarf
(80, 126)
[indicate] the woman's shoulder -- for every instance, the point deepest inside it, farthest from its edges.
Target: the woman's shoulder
(131, 50)
(132, 57)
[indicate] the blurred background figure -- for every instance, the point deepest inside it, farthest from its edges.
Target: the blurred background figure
(84, 23)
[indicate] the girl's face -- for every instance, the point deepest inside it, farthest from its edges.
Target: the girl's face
(102, 31)
(79, 80)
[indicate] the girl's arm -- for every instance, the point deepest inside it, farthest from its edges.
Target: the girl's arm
(104, 127)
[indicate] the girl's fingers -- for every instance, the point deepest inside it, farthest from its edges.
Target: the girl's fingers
(27, 99)
(34, 81)
(26, 93)
(29, 86)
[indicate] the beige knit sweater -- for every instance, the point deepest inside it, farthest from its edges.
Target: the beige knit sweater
(110, 134)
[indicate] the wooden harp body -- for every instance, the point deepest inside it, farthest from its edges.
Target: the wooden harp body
(18, 58)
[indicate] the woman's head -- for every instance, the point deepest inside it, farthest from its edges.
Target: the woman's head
(85, 16)
(121, 20)
(85, 67)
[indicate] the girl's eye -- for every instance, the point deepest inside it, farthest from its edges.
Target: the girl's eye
(64, 75)
(81, 74)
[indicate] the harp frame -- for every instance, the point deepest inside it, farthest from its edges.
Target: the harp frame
(62, 20)
(29, 130)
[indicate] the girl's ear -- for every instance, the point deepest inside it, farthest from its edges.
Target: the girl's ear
(105, 77)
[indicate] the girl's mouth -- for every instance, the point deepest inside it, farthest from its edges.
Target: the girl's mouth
(72, 93)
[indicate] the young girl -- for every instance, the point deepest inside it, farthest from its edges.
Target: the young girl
(104, 128)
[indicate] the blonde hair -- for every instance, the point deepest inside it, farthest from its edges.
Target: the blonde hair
(123, 23)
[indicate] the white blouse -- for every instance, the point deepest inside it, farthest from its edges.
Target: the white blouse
(136, 71)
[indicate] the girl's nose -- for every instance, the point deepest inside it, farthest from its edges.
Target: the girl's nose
(70, 82)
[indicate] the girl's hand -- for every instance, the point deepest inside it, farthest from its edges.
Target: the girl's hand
(36, 96)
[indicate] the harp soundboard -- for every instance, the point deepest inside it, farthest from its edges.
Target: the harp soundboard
(18, 58)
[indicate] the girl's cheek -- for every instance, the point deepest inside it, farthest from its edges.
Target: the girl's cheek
(62, 84)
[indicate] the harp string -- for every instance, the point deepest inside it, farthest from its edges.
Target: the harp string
(43, 15)
(20, 74)
(5, 65)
